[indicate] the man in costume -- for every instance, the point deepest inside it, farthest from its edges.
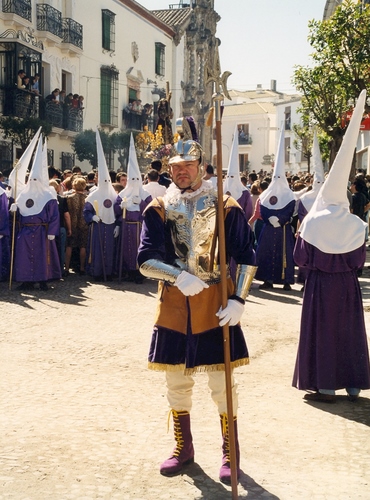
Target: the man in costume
(276, 242)
(177, 247)
(128, 209)
(99, 214)
(333, 352)
(36, 255)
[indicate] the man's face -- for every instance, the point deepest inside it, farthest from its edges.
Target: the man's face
(184, 173)
(123, 181)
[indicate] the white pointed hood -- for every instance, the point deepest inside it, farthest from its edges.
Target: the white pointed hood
(103, 197)
(278, 195)
(309, 198)
(329, 225)
(134, 191)
(232, 182)
(35, 195)
(17, 177)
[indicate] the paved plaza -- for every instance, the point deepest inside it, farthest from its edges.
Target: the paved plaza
(83, 418)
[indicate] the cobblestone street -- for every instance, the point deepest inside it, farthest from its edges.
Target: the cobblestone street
(82, 417)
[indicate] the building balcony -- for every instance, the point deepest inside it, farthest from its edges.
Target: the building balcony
(19, 102)
(17, 13)
(63, 117)
(245, 141)
(49, 21)
(72, 34)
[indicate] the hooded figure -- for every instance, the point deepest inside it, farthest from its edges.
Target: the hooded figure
(4, 235)
(99, 214)
(36, 256)
(128, 209)
(307, 199)
(276, 241)
(232, 183)
(333, 351)
(17, 177)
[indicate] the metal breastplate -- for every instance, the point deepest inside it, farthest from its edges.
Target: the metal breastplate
(192, 225)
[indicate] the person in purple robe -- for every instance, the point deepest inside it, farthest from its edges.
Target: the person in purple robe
(333, 352)
(98, 212)
(306, 201)
(36, 256)
(276, 241)
(232, 184)
(177, 248)
(4, 235)
(128, 208)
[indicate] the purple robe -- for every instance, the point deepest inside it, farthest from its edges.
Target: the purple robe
(332, 351)
(302, 271)
(270, 247)
(36, 257)
(205, 349)
(246, 202)
(129, 235)
(100, 245)
(5, 240)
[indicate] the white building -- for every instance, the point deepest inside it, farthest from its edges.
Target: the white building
(112, 52)
(259, 116)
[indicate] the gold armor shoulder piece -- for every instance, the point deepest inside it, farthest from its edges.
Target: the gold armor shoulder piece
(229, 203)
(158, 205)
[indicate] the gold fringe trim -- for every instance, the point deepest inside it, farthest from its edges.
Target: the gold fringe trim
(162, 367)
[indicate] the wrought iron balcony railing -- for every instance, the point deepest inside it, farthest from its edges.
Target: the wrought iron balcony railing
(247, 139)
(19, 102)
(22, 8)
(49, 19)
(72, 32)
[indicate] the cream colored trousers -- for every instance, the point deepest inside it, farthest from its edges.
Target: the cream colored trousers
(180, 390)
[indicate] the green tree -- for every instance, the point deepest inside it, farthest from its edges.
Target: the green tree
(84, 145)
(341, 69)
(22, 130)
(120, 143)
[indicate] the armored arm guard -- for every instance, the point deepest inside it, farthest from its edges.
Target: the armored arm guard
(157, 270)
(244, 278)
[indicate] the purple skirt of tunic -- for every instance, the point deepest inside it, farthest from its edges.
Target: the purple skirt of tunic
(332, 351)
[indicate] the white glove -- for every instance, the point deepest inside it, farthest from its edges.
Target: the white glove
(13, 207)
(189, 284)
(51, 237)
(231, 314)
(274, 221)
(116, 232)
(124, 204)
(1, 235)
(96, 218)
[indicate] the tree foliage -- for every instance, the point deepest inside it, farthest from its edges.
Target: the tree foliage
(340, 72)
(22, 130)
(84, 145)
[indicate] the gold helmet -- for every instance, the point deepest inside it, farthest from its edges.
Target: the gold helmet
(188, 151)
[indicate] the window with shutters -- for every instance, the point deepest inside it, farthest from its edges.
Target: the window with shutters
(108, 30)
(159, 59)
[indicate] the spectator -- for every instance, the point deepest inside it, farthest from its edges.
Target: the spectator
(21, 75)
(79, 228)
(152, 187)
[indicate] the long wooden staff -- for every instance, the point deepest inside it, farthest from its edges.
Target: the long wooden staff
(13, 231)
(96, 206)
(214, 75)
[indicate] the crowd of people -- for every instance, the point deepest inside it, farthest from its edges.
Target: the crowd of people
(129, 226)
(65, 102)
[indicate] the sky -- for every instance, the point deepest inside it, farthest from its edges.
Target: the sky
(261, 40)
